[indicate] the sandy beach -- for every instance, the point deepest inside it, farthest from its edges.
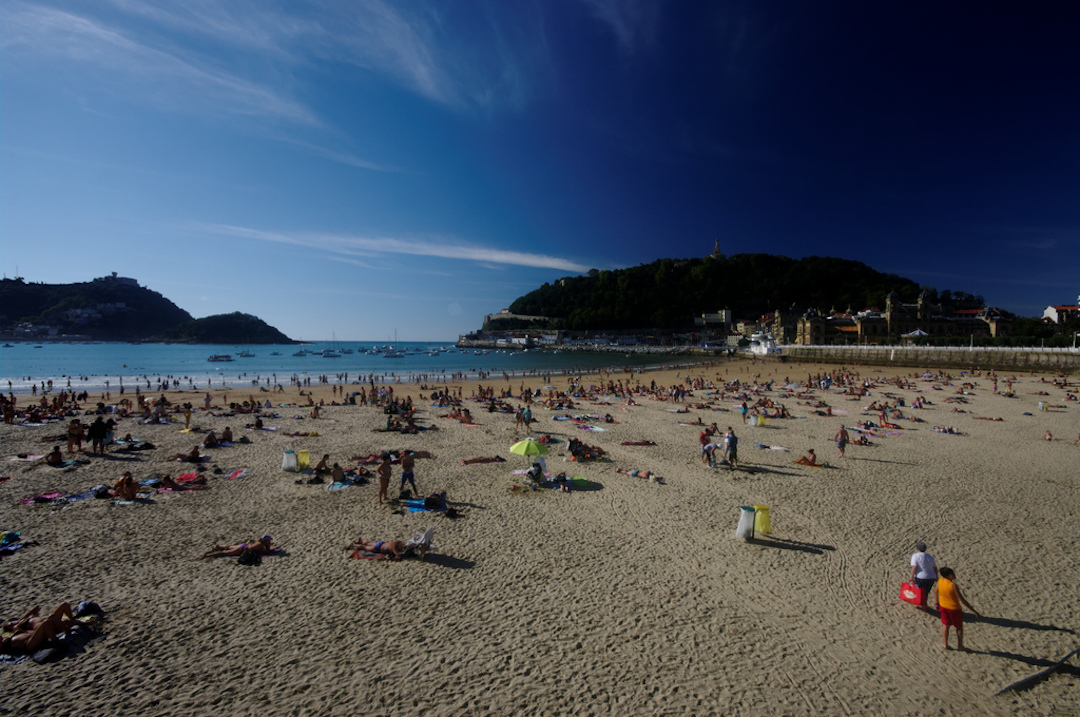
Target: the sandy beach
(626, 597)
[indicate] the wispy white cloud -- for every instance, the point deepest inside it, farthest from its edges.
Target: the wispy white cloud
(172, 80)
(633, 22)
(256, 61)
(348, 247)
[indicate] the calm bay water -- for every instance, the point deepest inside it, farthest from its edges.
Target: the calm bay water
(89, 366)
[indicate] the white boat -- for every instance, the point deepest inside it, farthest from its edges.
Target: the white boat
(330, 353)
(246, 354)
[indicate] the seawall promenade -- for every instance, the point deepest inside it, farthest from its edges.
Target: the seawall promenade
(958, 357)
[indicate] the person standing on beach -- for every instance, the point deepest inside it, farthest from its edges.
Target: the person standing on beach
(924, 571)
(384, 476)
(732, 448)
(408, 462)
(96, 434)
(74, 436)
(842, 439)
(949, 599)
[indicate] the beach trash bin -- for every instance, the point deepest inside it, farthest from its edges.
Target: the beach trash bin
(1042, 405)
(751, 420)
(288, 461)
(761, 420)
(745, 529)
(303, 460)
(761, 520)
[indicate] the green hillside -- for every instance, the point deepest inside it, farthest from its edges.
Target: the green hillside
(105, 309)
(113, 308)
(669, 293)
(225, 329)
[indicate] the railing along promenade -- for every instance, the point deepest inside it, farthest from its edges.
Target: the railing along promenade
(962, 357)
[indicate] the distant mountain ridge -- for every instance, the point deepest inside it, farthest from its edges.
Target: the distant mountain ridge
(116, 308)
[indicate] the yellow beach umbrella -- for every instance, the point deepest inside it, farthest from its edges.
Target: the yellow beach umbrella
(529, 447)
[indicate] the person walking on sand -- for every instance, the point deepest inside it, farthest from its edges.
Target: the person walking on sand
(949, 599)
(732, 448)
(842, 439)
(384, 477)
(924, 571)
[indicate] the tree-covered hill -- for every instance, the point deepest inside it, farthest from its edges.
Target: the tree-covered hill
(669, 293)
(234, 328)
(113, 308)
(107, 309)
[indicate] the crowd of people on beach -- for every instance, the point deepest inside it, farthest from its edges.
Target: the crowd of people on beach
(751, 398)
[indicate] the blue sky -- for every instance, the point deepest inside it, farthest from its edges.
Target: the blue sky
(356, 168)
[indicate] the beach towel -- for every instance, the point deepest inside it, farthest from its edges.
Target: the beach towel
(638, 443)
(42, 498)
(595, 429)
(10, 548)
(417, 505)
(27, 458)
(238, 473)
(770, 448)
(525, 471)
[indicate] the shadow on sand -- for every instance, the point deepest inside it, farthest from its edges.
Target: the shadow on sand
(786, 544)
(448, 561)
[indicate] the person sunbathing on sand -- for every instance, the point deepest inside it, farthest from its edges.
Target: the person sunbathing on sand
(211, 440)
(492, 459)
(262, 546)
(226, 435)
(193, 457)
(126, 488)
(808, 460)
(62, 618)
(647, 475)
(32, 631)
(393, 548)
(196, 484)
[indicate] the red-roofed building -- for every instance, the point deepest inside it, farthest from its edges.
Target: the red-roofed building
(1065, 312)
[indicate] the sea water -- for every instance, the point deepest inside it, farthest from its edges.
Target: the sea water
(97, 367)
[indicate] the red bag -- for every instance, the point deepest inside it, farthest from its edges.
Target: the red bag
(912, 593)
